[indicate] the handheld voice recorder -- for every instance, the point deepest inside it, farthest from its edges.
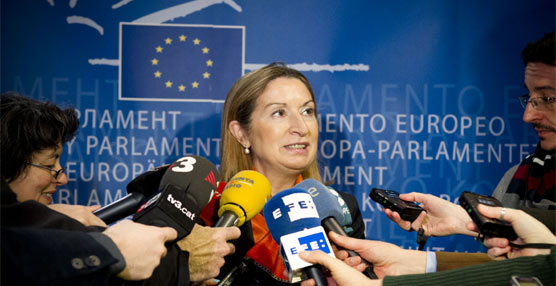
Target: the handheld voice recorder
(391, 200)
(489, 227)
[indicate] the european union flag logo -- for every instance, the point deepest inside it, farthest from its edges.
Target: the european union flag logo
(189, 63)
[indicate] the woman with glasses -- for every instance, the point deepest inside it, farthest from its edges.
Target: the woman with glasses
(31, 137)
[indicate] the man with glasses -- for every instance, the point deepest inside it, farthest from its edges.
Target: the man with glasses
(530, 185)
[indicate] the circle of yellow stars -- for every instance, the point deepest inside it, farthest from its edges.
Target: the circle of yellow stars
(182, 86)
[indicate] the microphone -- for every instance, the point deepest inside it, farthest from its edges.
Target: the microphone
(293, 221)
(185, 188)
(138, 190)
(148, 182)
(330, 212)
(243, 198)
(120, 208)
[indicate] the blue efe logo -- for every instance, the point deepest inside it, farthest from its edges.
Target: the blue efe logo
(315, 241)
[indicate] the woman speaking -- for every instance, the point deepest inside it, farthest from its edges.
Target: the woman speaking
(269, 124)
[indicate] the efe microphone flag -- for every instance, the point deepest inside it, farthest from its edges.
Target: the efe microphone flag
(294, 223)
(331, 213)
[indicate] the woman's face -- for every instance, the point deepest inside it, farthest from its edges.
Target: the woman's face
(284, 131)
(39, 184)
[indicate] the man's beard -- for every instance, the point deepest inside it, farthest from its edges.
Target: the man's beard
(541, 138)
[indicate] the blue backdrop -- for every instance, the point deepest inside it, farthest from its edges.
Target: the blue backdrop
(412, 95)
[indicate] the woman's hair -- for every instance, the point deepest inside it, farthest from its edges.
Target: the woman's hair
(28, 126)
(240, 104)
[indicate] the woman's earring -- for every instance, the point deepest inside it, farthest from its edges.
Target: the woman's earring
(246, 151)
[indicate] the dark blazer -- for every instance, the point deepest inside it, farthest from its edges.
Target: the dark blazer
(43, 247)
(34, 256)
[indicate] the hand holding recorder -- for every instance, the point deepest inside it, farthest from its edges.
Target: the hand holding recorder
(529, 231)
(440, 219)
(487, 227)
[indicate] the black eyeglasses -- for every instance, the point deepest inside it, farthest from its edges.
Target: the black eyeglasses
(538, 103)
(57, 173)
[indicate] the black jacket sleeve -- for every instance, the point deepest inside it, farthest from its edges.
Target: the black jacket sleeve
(54, 257)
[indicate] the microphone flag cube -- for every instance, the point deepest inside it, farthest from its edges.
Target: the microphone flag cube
(306, 240)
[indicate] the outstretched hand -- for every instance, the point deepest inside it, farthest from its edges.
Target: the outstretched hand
(82, 214)
(142, 247)
(207, 247)
(527, 228)
(342, 273)
(387, 259)
(440, 219)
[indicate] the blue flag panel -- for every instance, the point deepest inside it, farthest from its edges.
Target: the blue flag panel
(192, 63)
(412, 96)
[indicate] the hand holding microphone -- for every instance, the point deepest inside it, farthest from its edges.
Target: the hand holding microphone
(207, 247)
(142, 247)
(293, 222)
(330, 214)
(185, 188)
(139, 189)
(83, 214)
(243, 197)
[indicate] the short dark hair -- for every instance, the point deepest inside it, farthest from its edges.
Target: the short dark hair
(541, 51)
(28, 126)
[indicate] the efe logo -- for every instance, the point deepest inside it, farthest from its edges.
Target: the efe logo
(310, 242)
(300, 206)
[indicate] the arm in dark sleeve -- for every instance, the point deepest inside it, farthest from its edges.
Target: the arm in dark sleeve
(57, 257)
(492, 273)
(36, 215)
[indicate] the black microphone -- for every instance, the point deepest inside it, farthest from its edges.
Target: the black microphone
(140, 188)
(120, 208)
(330, 212)
(148, 182)
(185, 188)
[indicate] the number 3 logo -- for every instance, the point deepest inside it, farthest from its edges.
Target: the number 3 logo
(185, 165)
